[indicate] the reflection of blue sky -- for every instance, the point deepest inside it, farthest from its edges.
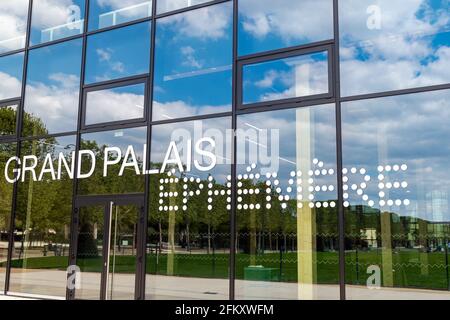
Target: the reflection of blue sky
(53, 82)
(106, 13)
(412, 130)
(13, 24)
(11, 69)
(216, 129)
(116, 104)
(265, 25)
(314, 129)
(56, 19)
(118, 53)
(285, 78)
(411, 44)
(193, 63)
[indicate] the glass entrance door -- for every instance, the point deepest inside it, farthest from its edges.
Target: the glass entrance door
(107, 248)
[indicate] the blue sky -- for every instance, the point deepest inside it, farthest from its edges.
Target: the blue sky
(118, 53)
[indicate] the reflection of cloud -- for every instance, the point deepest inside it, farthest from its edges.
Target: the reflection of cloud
(170, 5)
(10, 87)
(306, 19)
(211, 22)
(13, 16)
(181, 109)
(55, 104)
(50, 13)
(411, 129)
(117, 106)
(302, 79)
(407, 48)
(188, 52)
(106, 56)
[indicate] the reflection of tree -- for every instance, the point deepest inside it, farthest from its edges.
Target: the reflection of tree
(112, 183)
(44, 208)
(8, 119)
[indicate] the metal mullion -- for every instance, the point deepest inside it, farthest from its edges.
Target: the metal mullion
(106, 249)
(129, 125)
(194, 118)
(119, 26)
(115, 82)
(271, 53)
(232, 258)
(147, 199)
(395, 93)
(286, 106)
(54, 42)
(285, 53)
(10, 53)
(70, 294)
(190, 8)
(47, 136)
(18, 147)
(11, 101)
(339, 156)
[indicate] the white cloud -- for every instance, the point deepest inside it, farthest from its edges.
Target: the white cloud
(181, 109)
(56, 104)
(189, 55)
(51, 13)
(402, 54)
(207, 23)
(13, 16)
(287, 19)
(10, 87)
(116, 106)
(104, 54)
(307, 77)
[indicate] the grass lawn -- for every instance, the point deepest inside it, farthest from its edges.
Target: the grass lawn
(410, 268)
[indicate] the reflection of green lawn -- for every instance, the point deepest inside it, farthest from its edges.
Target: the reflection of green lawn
(409, 269)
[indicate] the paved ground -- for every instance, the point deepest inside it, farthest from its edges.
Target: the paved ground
(52, 283)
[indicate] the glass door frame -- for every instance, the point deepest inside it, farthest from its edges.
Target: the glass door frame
(107, 201)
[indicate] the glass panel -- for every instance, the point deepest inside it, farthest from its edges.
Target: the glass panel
(170, 5)
(43, 217)
(297, 76)
(287, 216)
(13, 23)
(268, 25)
(90, 252)
(409, 44)
(396, 160)
(108, 13)
(11, 70)
(8, 120)
(122, 258)
(118, 53)
(193, 68)
(188, 240)
(115, 104)
(52, 91)
(56, 19)
(124, 170)
(7, 150)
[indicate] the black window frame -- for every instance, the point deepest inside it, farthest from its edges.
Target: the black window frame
(111, 85)
(8, 103)
(278, 55)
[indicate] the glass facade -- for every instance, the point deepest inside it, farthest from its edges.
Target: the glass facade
(226, 149)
